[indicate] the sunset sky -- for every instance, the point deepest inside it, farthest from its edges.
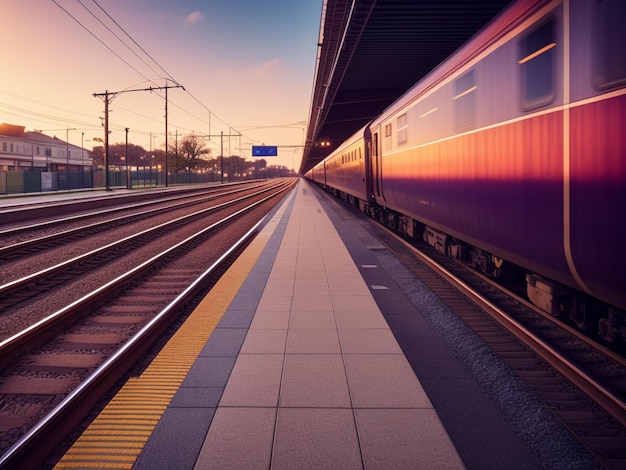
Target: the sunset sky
(247, 66)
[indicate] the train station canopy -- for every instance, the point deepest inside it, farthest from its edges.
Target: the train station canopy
(371, 51)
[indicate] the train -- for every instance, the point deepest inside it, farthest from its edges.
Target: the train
(512, 152)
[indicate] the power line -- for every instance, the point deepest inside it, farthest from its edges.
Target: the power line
(124, 34)
(118, 38)
(98, 39)
(211, 113)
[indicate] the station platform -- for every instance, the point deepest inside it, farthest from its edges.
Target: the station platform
(306, 354)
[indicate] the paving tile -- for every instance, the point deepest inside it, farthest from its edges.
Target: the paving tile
(278, 299)
(313, 341)
(196, 397)
(360, 319)
(273, 320)
(310, 303)
(209, 372)
(402, 439)
(310, 273)
(224, 342)
(246, 301)
(176, 440)
(312, 282)
(346, 283)
(255, 381)
(383, 381)
(301, 289)
(281, 278)
(260, 341)
(368, 341)
(314, 380)
(355, 303)
(316, 439)
(239, 438)
(236, 318)
(312, 319)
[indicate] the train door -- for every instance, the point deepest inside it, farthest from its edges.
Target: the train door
(378, 166)
(367, 137)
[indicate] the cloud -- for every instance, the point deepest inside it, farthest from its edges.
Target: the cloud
(270, 64)
(193, 18)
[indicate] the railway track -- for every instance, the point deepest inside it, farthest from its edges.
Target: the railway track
(57, 211)
(58, 368)
(39, 283)
(581, 382)
(26, 239)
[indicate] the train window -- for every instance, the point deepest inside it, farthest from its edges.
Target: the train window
(537, 62)
(403, 129)
(464, 100)
(609, 37)
(387, 141)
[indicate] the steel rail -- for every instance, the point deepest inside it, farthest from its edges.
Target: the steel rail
(29, 337)
(611, 403)
(64, 416)
(27, 281)
(78, 217)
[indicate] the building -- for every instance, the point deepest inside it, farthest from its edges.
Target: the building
(22, 150)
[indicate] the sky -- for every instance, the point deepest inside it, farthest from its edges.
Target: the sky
(247, 67)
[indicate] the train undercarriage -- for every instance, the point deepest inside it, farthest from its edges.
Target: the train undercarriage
(583, 311)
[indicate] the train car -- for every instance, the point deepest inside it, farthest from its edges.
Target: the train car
(514, 149)
(318, 173)
(345, 169)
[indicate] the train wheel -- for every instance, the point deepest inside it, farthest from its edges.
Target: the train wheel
(579, 313)
(497, 265)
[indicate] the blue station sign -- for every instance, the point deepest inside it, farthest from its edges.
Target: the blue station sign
(264, 151)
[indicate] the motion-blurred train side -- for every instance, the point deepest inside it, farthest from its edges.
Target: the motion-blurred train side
(513, 150)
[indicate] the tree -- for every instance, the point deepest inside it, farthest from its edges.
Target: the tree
(97, 154)
(236, 168)
(137, 155)
(189, 153)
(277, 171)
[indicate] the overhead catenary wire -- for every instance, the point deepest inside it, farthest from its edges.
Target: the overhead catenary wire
(167, 75)
(127, 35)
(98, 39)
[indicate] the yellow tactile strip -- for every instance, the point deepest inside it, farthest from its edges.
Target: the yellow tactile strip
(117, 436)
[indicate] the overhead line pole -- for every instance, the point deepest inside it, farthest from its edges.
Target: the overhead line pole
(108, 97)
(221, 136)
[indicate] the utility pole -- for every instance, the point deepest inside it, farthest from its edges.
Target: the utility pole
(108, 97)
(221, 136)
(107, 100)
(67, 156)
(166, 133)
(129, 181)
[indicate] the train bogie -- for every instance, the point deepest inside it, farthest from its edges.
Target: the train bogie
(613, 325)
(547, 295)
